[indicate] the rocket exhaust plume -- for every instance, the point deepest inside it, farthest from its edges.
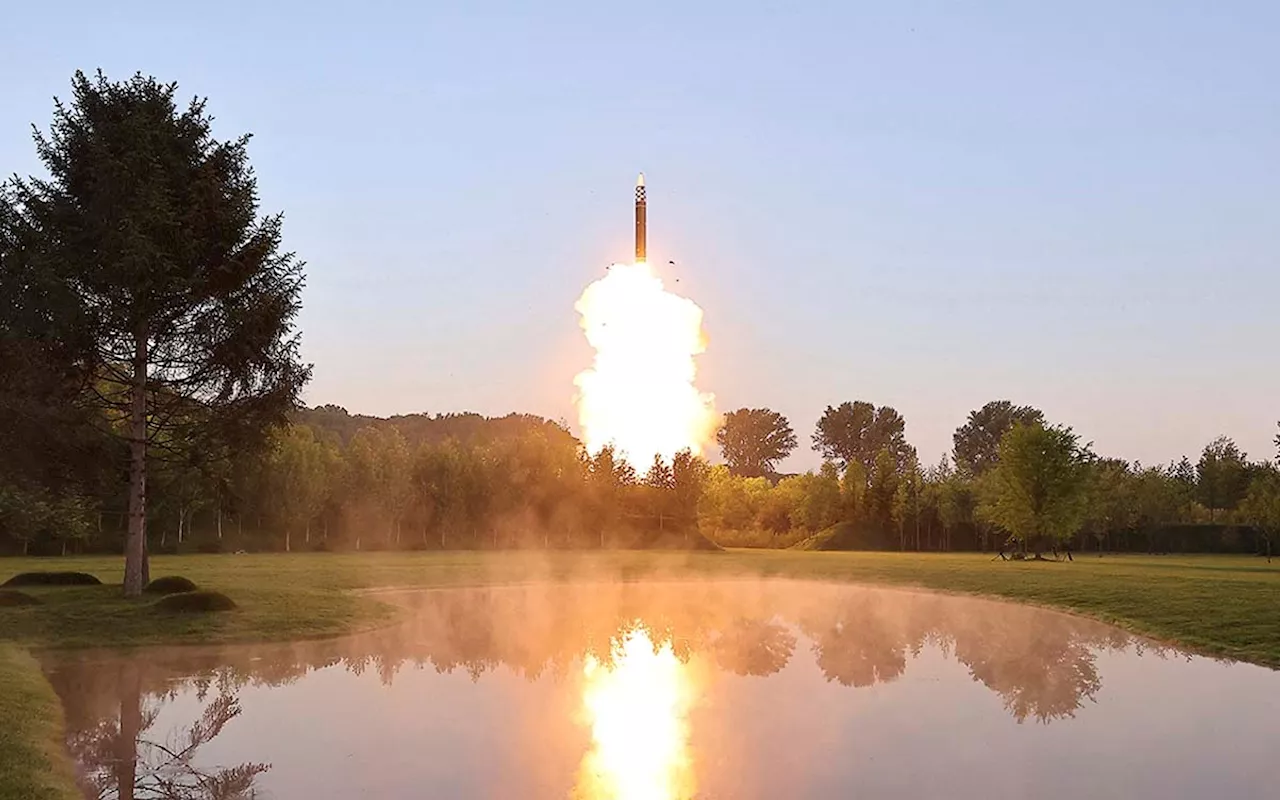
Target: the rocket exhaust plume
(639, 394)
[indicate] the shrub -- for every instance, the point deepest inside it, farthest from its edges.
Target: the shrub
(12, 597)
(195, 602)
(52, 579)
(170, 584)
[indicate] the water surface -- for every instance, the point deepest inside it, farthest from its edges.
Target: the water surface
(667, 691)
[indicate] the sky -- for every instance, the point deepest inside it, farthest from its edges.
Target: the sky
(928, 205)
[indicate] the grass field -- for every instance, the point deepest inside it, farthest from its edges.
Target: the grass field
(32, 762)
(1214, 604)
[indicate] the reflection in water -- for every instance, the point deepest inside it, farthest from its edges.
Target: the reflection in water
(119, 758)
(635, 663)
(637, 705)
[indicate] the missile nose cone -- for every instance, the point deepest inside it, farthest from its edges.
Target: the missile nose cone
(640, 180)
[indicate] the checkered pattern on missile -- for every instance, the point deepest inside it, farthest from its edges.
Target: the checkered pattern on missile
(639, 194)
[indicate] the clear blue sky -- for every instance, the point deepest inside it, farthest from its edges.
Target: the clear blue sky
(924, 204)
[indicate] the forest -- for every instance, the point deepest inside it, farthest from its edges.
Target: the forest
(331, 480)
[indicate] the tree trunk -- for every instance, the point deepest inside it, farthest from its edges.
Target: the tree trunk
(307, 535)
(64, 549)
(26, 543)
(219, 520)
(182, 516)
(135, 545)
(287, 529)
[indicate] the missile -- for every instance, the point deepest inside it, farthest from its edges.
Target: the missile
(640, 230)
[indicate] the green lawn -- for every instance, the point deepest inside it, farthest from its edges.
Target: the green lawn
(1214, 604)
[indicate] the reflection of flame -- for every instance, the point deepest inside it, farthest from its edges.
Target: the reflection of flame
(638, 710)
(639, 393)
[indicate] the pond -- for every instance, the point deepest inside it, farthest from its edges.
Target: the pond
(670, 690)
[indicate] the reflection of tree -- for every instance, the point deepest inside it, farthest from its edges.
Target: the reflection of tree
(1040, 670)
(856, 644)
(118, 760)
(753, 647)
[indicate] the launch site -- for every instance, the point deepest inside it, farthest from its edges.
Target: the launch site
(677, 402)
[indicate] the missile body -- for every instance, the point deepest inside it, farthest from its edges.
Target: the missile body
(640, 221)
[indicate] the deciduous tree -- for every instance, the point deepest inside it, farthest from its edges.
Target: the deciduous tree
(754, 440)
(1038, 490)
(1222, 476)
(858, 431)
(977, 442)
(1261, 505)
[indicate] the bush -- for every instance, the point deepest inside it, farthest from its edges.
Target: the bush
(52, 579)
(11, 597)
(195, 602)
(170, 584)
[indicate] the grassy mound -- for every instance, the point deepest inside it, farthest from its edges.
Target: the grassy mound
(195, 602)
(52, 579)
(12, 597)
(171, 584)
(837, 537)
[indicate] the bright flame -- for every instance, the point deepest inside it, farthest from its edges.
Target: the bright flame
(639, 393)
(638, 710)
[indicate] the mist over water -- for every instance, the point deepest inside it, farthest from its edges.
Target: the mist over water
(666, 690)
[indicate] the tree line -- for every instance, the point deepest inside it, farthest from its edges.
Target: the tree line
(331, 480)
(1012, 480)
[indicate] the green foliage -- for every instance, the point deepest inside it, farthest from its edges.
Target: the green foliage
(908, 497)
(1110, 505)
(1038, 492)
(62, 578)
(882, 487)
(977, 442)
(170, 584)
(175, 295)
(30, 513)
(853, 492)
(754, 440)
(197, 602)
(1222, 476)
(859, 431)
(300, 474)
(1261, 506)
